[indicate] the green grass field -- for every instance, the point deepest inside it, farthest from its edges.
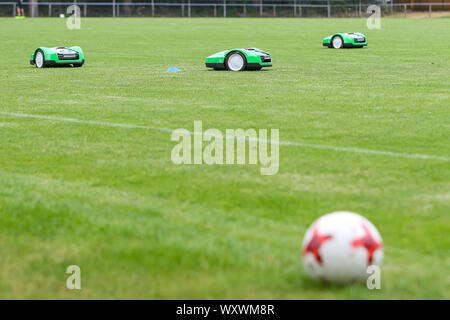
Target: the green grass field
(110, 200)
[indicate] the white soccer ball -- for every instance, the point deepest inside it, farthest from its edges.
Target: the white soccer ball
(61, 15)
(340, 246)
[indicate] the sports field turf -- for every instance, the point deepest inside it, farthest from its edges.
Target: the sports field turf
(110, 200)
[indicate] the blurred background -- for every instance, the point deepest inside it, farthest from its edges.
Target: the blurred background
(231, 8)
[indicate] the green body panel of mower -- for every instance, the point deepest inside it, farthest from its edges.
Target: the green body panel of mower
(57, 56)
(345, 40)
(239, 60)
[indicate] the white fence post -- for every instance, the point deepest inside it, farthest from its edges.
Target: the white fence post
(245, 10)
(114, 8)
(295, 8)
(215, 11)
(328, 9)
(85, 10)
(224, 8)
(429, 10)
(260, 8)
(189, 8)
(14, 9)
(153, 8)
(34, 8)
(274, 10)
(49, 9)
(405, 9)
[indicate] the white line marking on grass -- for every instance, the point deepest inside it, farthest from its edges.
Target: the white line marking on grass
(100, 123)
(283, 143)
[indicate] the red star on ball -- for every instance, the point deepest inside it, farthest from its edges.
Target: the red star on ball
(315, 243)
(367, 241)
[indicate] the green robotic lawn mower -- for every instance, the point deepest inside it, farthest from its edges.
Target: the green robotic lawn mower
(44, 57)
(345, 40)
(239, 60)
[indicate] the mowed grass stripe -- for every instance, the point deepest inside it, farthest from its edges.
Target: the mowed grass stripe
(283, 143)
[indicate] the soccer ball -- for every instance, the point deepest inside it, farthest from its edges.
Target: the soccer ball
(340, 246)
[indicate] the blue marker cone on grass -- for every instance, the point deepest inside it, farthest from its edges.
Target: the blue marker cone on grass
(173, 69)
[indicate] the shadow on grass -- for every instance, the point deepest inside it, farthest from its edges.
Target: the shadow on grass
(224, 70)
